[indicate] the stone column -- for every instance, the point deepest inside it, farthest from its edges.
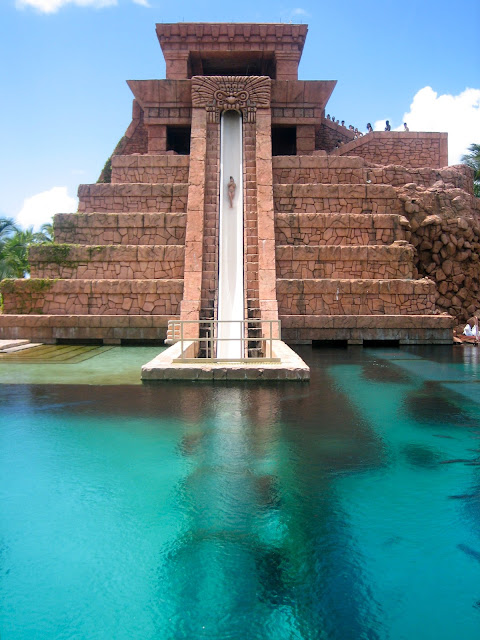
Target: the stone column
(176, 64)
(305, 139)
(157, 138)
(192, 291)
(267, 282)
(287, 64)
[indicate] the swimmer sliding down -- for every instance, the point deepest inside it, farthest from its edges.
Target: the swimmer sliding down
(231, 190)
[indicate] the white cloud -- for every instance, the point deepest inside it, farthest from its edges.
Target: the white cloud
(41, 207)
(288, 15)
(142, 3)
(458, 115)
(379, 125)
(52, 6)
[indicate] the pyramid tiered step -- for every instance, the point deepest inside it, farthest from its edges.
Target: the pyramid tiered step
(345, 267)
(115, 272)
(120, 228)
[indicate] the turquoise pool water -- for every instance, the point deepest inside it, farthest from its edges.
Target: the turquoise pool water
(93, 365)
(347, 508)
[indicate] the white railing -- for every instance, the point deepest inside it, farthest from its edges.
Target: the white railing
(177, 332)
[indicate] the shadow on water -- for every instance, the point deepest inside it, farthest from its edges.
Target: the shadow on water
(430, 405)
(422, 456)
(384, 372)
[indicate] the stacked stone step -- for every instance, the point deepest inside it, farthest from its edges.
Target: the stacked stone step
(120, 228)
(345, 267)
(151, 169)
(122, 255)
(330, 170)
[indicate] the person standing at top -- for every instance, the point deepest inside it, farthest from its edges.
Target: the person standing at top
(231, 187)
(369, 128)
(387, 126)
(405, 128)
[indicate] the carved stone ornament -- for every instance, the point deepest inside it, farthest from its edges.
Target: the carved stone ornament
(225, 93)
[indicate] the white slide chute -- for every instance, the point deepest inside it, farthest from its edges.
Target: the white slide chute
(230, 277)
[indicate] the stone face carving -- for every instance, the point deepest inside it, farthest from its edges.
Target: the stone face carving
(224, 93)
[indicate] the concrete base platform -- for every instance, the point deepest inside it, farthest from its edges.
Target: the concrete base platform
(290, 367)
(20, 345)
(6, 345)
(111, 329)
(407, 329)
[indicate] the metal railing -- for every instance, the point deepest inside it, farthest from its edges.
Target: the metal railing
(177, 332)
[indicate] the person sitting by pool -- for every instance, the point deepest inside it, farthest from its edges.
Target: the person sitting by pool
(471, 330)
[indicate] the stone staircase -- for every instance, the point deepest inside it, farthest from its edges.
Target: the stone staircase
(115, 272)
(345, 266)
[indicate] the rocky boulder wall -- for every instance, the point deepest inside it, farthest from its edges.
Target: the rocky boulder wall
(445, 223)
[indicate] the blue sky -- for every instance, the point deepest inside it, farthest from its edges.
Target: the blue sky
(65, 62)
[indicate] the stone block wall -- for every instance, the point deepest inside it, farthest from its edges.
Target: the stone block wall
(336, 198)
(408, 149)
(112, 329)
(329, 133)
(135, 139)
(92, 297)
(108, 262)
(407, 329)
(120, 228)
(169, 168)
(446, 234)
(378, 262)
(340, 229)
(132, 197)
(353, 170)
(355, 297)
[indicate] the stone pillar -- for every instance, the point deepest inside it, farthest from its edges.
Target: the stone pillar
(176, 64)
(192, 291)
(287, 65)
(267, 279)
(443, 154)
(157, 138)
(305, 139)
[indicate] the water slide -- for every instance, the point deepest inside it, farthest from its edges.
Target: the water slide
(230, 303)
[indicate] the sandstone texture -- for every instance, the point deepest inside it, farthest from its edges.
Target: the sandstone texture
(346, 237)
(445, 223)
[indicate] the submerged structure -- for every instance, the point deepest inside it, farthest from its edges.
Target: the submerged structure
(233, 198)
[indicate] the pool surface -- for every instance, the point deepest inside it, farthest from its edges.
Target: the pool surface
(93, 364)
(347, 508)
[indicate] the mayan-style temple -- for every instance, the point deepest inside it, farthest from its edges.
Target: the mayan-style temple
(231, 160)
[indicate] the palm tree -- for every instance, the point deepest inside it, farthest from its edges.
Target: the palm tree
(15, 253)
(14, 243)
(472, 159)
(7, 229)
(7, 226)
(46, 233)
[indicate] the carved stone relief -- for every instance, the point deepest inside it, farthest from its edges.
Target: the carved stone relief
(224, 93)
